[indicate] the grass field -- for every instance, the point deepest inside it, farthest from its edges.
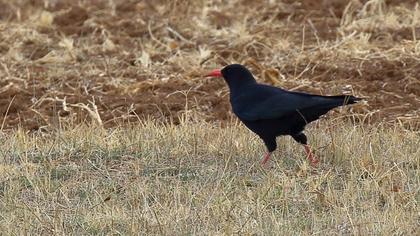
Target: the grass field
(201, 179)
(107, 126)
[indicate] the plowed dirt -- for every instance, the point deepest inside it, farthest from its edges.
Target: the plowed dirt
(64, 61)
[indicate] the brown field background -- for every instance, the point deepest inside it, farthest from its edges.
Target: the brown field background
(77, 68)
(119, 61)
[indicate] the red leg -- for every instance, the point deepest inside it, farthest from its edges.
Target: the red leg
(313, 160)
(266, 158)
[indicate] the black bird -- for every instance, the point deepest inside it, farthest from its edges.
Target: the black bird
(270, 111)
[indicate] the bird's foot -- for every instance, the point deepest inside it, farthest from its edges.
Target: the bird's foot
(266, 159)
(314, 162)
(311, 157)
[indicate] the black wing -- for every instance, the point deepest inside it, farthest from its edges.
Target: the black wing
(261, 102)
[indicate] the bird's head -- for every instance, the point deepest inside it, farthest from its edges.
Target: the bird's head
(235, 75)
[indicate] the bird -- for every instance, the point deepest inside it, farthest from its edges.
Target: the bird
(270, 111)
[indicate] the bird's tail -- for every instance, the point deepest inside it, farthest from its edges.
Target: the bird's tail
(347, 99)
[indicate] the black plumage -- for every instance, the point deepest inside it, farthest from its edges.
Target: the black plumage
(270, 111)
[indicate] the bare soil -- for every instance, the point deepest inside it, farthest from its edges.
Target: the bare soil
(63, 61)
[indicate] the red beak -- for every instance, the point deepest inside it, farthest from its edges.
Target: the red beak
(215, 73)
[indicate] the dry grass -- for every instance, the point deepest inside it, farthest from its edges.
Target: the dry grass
(61, 60)
(198, 178)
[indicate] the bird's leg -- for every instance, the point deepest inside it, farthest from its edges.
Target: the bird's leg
(301, 138)
(270, 143)
(266, 158)
(314, 161)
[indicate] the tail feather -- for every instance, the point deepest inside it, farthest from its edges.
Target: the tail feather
(349, 99)
(328, 103)
(346, 99)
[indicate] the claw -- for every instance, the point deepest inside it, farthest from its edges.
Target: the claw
(311, 157)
